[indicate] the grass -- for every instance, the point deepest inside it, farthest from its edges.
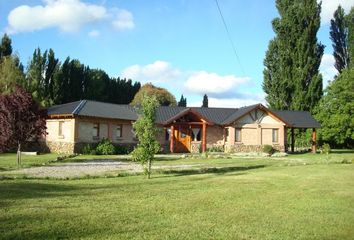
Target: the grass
(8, 161)
(225, 199)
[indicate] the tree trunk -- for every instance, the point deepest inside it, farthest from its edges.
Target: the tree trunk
(19, 155)
(149, 169)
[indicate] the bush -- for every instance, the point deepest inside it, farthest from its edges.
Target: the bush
(87, 149)
(122, 150)
(216, 148)
(105, 147)
(268, 149)
(326, 149)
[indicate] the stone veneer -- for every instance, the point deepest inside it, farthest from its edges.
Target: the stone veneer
(250, 148)
(196, 146)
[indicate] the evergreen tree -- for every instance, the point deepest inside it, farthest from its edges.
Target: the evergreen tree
(10, 75)
(291, 76)
(182, 102)
(350, 24)
(5, 48)
(205, 101)
(339, 37)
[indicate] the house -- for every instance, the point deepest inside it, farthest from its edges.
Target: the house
(73, 125)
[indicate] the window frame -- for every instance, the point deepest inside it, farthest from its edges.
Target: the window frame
(275, 130)
(60, 129)
(240, 136)
(120, 126)
(96, 126)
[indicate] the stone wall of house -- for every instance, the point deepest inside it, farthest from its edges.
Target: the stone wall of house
(250, 148)
(67, 130)
(60, 147)
(215, 135)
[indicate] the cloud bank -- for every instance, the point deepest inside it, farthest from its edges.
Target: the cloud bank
(66, 15)
(329, 6)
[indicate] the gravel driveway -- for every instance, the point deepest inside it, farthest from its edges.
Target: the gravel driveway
(94, 168)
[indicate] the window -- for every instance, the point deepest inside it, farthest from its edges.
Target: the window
(119, 131)
(275, 135)
(60, 130)
(96, 130)
(237, 135)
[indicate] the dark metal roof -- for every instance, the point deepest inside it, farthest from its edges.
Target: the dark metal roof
(95, 109)
(219, 116)
(298, 119)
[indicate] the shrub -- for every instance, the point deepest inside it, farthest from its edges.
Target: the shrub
(105, 147)
(268, 149)
(122, 149)
(216, 148)
(87, 149)
(326, 149)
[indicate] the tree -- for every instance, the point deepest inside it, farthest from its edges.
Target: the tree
(146, 132)
(205, 101)
(21, 120)
(339, 37)
(40, 76)
(350, 24)
(10, 74)
(291, 76)
(5, 48)
(336, 110)
(164, 97)
(182, 102)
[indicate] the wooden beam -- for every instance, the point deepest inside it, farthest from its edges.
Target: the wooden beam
(314, 149)
(292, 139)
(172, 139)
(204, 138)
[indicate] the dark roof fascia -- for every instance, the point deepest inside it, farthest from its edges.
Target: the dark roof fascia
(185, 112)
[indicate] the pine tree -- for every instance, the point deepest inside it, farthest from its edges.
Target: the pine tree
(339, 37)
(291, 76)
(205, 101)
(182, 102)
(5, 48)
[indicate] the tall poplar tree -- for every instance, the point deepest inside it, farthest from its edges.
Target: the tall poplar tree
(339, 37)
(5, 47)
(291, 76)
(350, 23)
(205, 101)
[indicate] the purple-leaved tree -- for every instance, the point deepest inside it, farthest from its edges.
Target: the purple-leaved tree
(21, 120)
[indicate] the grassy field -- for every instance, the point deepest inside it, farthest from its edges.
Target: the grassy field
(301, 196)
(8, 161)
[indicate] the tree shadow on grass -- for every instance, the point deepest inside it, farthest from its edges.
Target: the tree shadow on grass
(214, 170)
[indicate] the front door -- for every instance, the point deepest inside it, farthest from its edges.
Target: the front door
(183, 139)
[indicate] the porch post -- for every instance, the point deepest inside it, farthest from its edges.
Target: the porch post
(204, 138)
(172, 139)
(314, 149)
(292, 140)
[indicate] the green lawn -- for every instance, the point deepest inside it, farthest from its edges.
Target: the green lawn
(8, 161)
(265, 198)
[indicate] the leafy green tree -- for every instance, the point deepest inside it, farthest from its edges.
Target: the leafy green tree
(336, 110)
(205, 101)
(339, 37)
(164, 97)
(291, 76)
(5, 48)
(10, 75)
(146, 132)
(182, 102)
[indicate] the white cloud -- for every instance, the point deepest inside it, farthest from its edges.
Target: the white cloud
(327, 68)
(67, 15)
(212, 83)
(94, 33)
(123, 20)
(329, 6)
(157, 72)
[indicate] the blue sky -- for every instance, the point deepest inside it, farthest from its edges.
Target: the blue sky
(181, 45)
